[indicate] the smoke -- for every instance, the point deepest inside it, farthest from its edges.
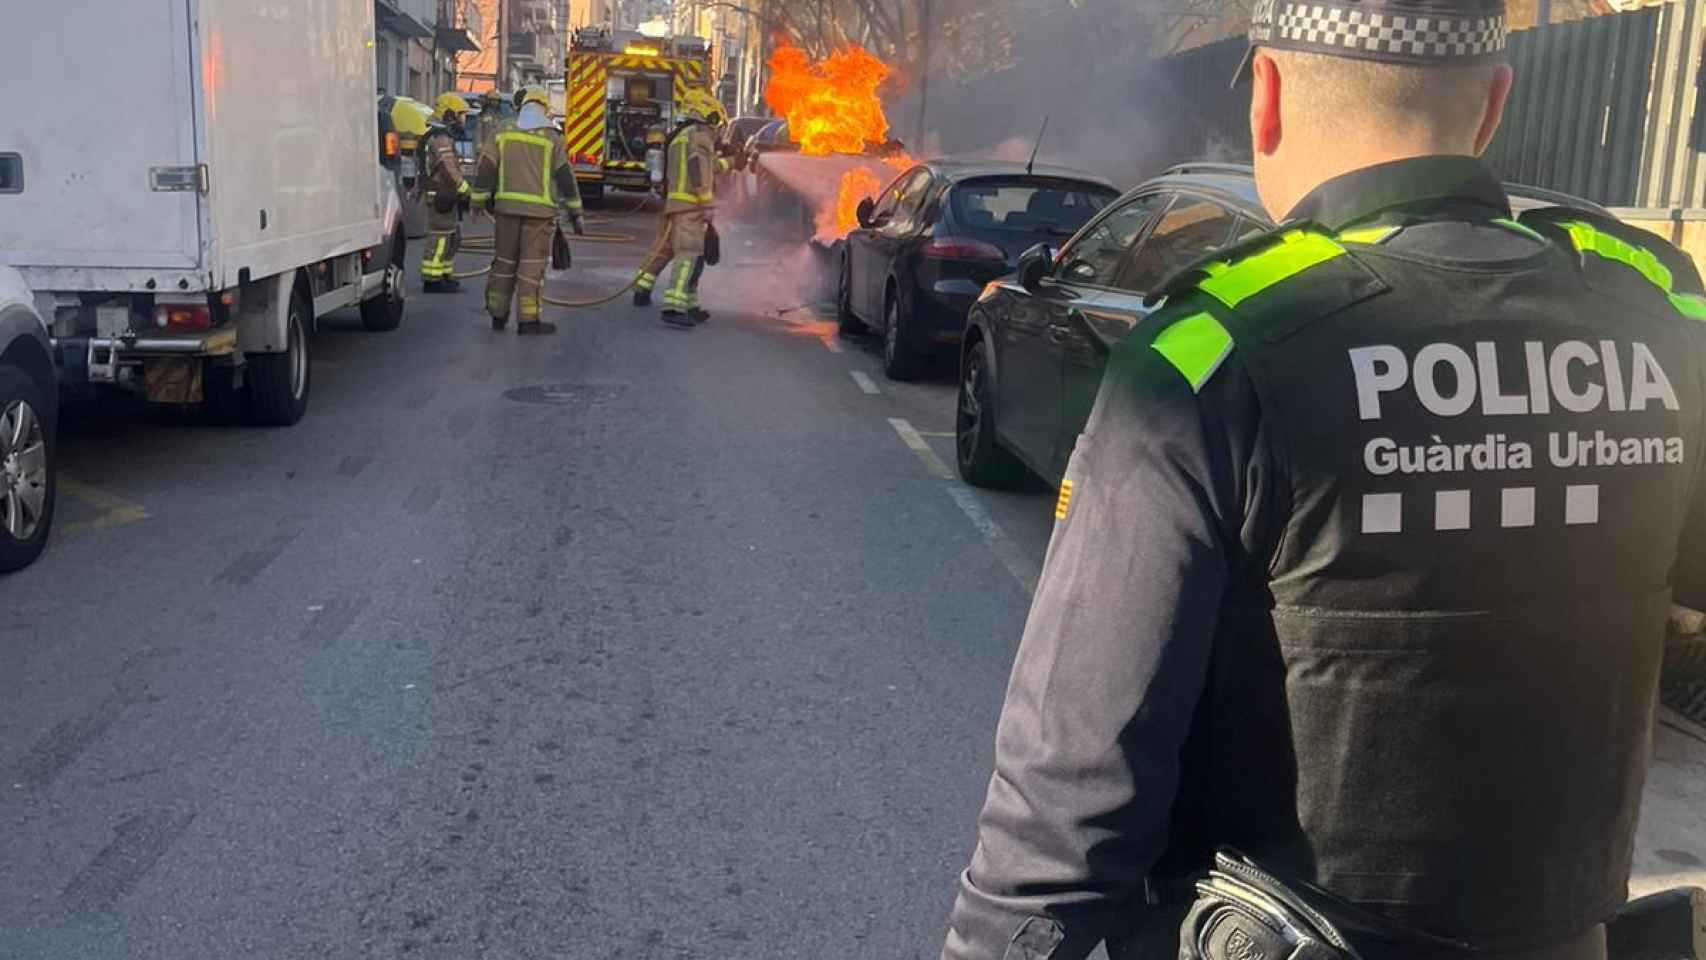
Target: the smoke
(1112, 109)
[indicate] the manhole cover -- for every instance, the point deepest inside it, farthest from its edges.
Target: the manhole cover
(565, 394)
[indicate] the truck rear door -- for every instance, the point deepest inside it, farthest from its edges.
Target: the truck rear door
(98, 162)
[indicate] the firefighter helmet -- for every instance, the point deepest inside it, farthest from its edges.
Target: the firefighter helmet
(449, 104)
(532, 93)
(699, 105)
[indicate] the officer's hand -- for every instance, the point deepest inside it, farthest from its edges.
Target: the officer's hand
(579, 224)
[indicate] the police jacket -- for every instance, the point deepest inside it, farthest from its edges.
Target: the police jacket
(690, 166)
(526, 173)
(1367, 552)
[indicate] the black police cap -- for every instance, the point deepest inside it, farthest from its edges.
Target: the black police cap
(1416, 32)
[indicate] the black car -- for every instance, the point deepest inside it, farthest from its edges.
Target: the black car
(1036, 343)
(928, 244)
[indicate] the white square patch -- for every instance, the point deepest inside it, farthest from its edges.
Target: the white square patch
(1581, 504)
(1516, 507)
(1451, 510)
(1382, 512)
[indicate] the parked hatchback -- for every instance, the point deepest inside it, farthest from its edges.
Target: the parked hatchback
(1036, 343)
(926, 247)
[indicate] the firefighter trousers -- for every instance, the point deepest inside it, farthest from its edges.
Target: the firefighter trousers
(681, 238)
(523, 250)
(444, 239)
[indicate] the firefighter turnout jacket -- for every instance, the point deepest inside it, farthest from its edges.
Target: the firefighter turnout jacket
(690, 169)
(527, 174)
(1363, 568)
(444, 180)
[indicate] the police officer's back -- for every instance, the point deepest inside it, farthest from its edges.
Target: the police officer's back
(1369, 541)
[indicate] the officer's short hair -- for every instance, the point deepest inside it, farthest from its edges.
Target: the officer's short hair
(1345, 93)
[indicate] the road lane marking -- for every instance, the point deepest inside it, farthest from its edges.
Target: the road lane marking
(913, 439)
(832, 345)
(114, 511)
(865, 383)
(1022, 568)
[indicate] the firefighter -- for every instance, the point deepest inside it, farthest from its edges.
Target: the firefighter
(491, 119)
(447, 194)
(525, 180)
(1365, 552)
(690, 166)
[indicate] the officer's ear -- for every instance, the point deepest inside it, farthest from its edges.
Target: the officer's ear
(1498, 94)
(1265, 122)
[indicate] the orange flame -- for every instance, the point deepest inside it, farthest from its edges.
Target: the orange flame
(836, 222)
(831, 107)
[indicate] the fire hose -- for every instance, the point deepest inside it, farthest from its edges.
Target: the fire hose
(488, 243)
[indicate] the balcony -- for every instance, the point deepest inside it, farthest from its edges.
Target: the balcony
(523, 46)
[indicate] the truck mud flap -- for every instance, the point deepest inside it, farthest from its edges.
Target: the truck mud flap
(172, 379)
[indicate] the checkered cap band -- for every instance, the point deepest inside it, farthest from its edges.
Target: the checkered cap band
(1378, 34)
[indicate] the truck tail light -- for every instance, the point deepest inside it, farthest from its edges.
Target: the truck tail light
(183, 316)
(961, 248)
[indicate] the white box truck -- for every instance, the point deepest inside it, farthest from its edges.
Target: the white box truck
(190, 184)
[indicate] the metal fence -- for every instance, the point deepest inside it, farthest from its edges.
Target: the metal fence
(1606, 108)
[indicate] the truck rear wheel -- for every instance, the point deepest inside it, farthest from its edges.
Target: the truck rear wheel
(278, 382)
(384, 311)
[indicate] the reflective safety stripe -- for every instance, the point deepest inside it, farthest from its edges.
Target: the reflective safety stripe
(684, 197)
(1296, 251)
(545, 148)
(1589, 240)
(1689, 305)
(576, 205)
(1196, 346)
(1518, 228)
(1368, 235)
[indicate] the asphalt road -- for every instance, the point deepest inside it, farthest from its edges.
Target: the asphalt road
(692, 656)
(632, 643)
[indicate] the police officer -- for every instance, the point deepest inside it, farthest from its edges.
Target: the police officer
(447, 192)
(527, 183)
(691, 164)
(1367, 545)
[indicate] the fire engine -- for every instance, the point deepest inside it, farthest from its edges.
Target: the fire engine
(622, 91)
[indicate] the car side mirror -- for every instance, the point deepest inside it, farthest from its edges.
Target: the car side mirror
(867, 206)
(1034, 265)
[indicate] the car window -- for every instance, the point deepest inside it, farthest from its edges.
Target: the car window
(911, 202)
(1190, 228)
(1028, 206)
(887, 199)
(1095, 257)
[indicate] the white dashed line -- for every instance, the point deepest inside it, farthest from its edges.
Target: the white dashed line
(1024, 570)
(832, 345)
(865, 383)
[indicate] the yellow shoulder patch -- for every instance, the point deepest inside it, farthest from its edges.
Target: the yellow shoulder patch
(1064, 503)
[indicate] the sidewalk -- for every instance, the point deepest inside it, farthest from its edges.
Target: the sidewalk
(1670, 845)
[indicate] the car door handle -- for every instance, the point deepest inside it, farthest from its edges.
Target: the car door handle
(1059, 332)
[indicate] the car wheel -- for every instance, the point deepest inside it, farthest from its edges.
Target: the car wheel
(901, 358)
(846, 323)
(29, 474)
(982, 460)
(385, 311)
(278, 382)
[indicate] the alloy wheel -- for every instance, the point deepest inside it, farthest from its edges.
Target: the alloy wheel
(23, 470)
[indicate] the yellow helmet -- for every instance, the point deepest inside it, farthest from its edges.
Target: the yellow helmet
(449, 103)
(409, 117)
(699, 105)
(534, 93)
